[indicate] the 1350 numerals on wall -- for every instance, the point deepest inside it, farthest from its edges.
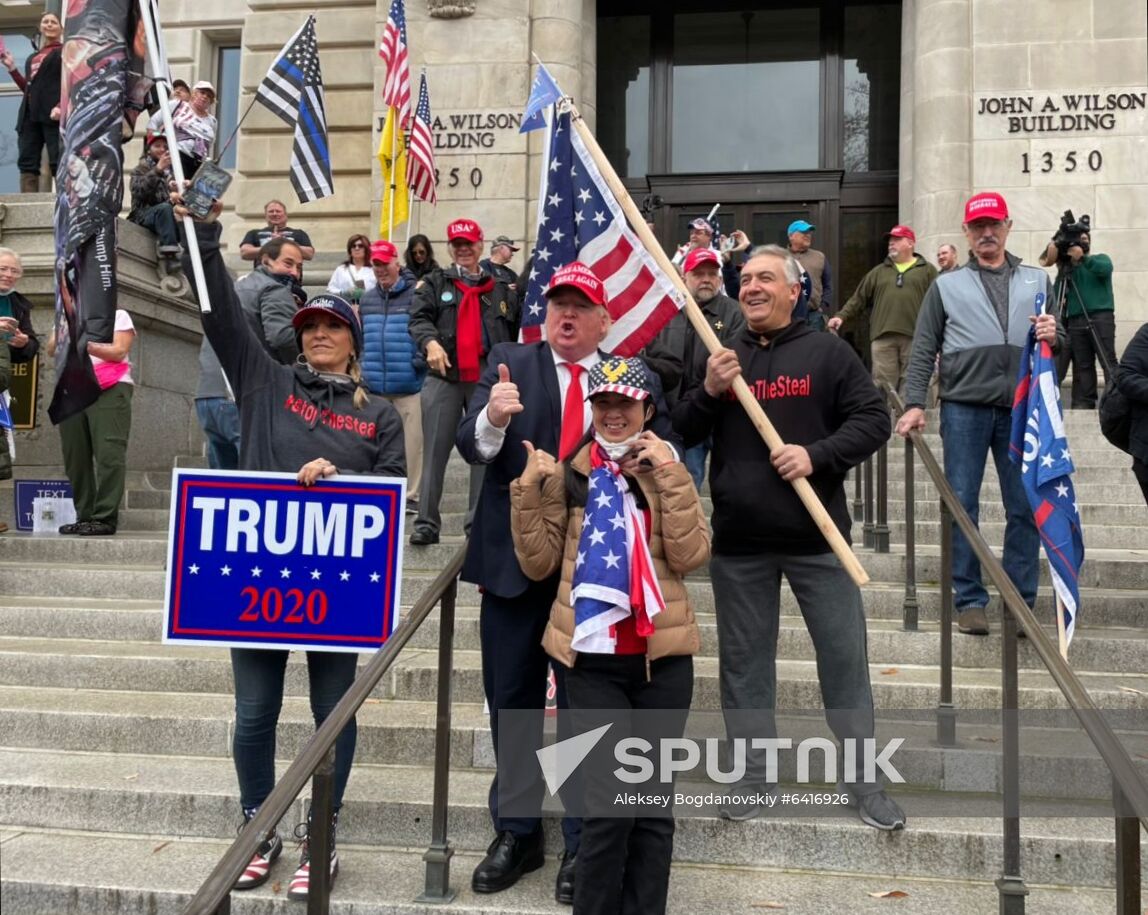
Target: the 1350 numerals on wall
(1067, 162)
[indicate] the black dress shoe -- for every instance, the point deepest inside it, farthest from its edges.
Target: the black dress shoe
(508, 858)
(423, 537)
(564, 885)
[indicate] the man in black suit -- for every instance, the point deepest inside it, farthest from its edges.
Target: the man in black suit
(533, 393)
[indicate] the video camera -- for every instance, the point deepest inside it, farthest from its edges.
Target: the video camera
(1069, 234)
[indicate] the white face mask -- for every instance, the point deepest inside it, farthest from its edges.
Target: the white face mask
(617, 450)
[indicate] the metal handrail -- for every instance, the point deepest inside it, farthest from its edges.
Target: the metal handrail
(213, 894)
(1130, 781)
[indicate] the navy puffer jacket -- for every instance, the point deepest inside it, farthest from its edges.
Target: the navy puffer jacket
(392, 363)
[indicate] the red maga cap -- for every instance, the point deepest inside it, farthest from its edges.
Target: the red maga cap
(578, 276)
(989, 205)
(466, 229)
(903, 232)
(700, 256)
(383, 251)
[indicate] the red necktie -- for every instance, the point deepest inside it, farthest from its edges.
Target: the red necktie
(573, 413)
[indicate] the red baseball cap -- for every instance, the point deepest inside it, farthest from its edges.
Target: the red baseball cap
(578, 276)
(700, 256)
(989, 205)
(466, 229)
(383, 251)
(902, 232)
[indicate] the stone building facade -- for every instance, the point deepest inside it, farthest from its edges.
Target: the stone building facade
(896, 111)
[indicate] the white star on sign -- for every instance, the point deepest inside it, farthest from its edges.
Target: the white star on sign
(284, 573)
(256, 572)
(1062, 490)
(374, 577)
(1064, 455)
(193, 569)
(226, 570)
(1046, 460)
(316, 574)
(618, 521)
(344, 576)
(599, 218)
(603, 501)
(597, 537)
(553, 200)
(611, 560)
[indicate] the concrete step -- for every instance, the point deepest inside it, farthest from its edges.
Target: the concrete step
(1093, 514)
(87, 664)
(1097, 535)
(69, 874)
(390, 805)
(1118, 650)
(1057, 761)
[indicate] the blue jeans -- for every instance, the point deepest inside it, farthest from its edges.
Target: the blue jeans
(160, 219)
(695, 460)
(258, 676)
(219, 419)
(970, 432)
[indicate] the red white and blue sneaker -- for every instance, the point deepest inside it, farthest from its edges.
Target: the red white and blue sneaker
(259, 867)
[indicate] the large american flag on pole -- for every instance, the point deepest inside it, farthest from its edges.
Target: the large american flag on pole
(293, 91)
(1039, 444)
(393, 49)
(579, 219)
(420, 156)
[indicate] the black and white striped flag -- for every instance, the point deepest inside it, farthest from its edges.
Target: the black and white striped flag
(293, 91)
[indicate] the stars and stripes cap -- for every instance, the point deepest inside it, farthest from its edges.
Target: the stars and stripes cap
(700, 256)
(577, 275)
(332, 306)
(702, 223)
(466, 229)
(627, 376)
(988, 205)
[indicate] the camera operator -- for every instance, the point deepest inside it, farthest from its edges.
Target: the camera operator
(1083, 293)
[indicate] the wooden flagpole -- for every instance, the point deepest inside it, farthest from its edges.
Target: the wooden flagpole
(757, 416)
(394, 167)
(1061, 632)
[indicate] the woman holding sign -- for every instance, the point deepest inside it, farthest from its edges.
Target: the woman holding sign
(622, 621)
(314, 418)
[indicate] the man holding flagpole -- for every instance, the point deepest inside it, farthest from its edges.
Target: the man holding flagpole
(978, 320)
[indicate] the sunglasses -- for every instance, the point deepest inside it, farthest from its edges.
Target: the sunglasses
(900, 280)
(358, 244)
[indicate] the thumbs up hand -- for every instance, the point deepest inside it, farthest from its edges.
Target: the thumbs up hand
(539, 465)
(504, 402)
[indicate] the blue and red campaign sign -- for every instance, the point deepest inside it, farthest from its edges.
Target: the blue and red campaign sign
(257, 561)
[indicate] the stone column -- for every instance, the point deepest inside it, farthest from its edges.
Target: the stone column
(941, 127)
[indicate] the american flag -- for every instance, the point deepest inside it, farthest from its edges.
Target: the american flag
(420, 156)
(613, 573)
(393, 49)
(1039, 444)
(579, 219)
(293, 91)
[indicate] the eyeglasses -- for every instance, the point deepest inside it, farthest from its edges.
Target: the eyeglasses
(358, 244)
(900, 280)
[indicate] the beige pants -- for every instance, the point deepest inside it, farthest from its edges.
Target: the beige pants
(890, 355)
(410, 412)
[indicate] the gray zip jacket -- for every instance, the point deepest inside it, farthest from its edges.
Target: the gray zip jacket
(979, 357)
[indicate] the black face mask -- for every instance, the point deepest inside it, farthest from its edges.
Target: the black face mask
(1084, 246)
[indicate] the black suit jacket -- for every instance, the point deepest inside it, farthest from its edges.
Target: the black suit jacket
(490, 560)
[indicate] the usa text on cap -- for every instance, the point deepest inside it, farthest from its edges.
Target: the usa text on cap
(466, 229)
(578, 276)
(903, 232)
(799, 225)
(383, 251)
(989, 205)
(700, 256)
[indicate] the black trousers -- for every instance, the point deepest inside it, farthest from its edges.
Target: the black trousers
(1085, 354)
(624, 862)
(34, 136)
(514, 668)
(1140, 469)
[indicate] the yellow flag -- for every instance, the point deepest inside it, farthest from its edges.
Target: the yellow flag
(393, 162)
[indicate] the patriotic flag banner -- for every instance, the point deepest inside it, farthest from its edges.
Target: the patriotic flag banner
(101, 92)
(1039, 444)
(613, 572)
(543, 93)
(394, 51)
(293, 91)
(420, 156)
(580, 220)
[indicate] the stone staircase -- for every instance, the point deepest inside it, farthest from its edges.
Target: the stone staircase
(117, 794)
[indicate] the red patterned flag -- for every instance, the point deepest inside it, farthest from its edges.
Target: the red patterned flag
(420, 156)
(393, 50)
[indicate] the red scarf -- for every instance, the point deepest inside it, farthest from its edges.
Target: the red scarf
(469, 341)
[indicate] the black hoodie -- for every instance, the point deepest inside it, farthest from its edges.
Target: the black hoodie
(288, 414)
(817, 393)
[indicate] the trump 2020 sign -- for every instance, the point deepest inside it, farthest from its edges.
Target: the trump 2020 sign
(257, 561)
